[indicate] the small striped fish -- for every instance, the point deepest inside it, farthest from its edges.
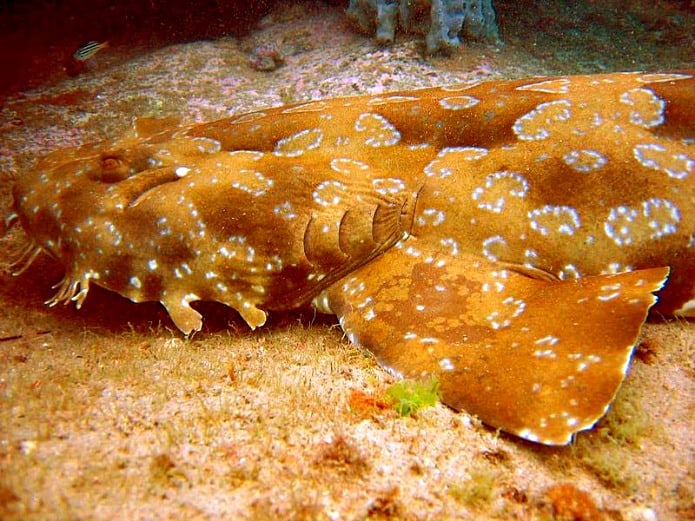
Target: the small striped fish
(88, 50)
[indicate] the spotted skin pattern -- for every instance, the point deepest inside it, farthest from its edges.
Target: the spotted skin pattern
(506, 237)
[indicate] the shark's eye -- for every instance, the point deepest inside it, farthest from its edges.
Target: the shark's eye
(113, 169)
(110, 163)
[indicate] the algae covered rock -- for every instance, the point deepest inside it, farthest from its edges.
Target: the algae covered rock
(442, 21)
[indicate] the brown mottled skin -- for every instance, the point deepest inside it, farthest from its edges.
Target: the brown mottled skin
(506, 237)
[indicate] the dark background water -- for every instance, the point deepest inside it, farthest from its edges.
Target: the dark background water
(38, 37)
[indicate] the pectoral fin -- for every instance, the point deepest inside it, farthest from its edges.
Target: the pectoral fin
(541, 359)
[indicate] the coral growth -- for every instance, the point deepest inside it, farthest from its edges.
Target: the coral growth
(266, 57)
(442, 21)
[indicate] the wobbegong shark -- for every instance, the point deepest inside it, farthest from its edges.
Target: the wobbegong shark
(507, 237)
